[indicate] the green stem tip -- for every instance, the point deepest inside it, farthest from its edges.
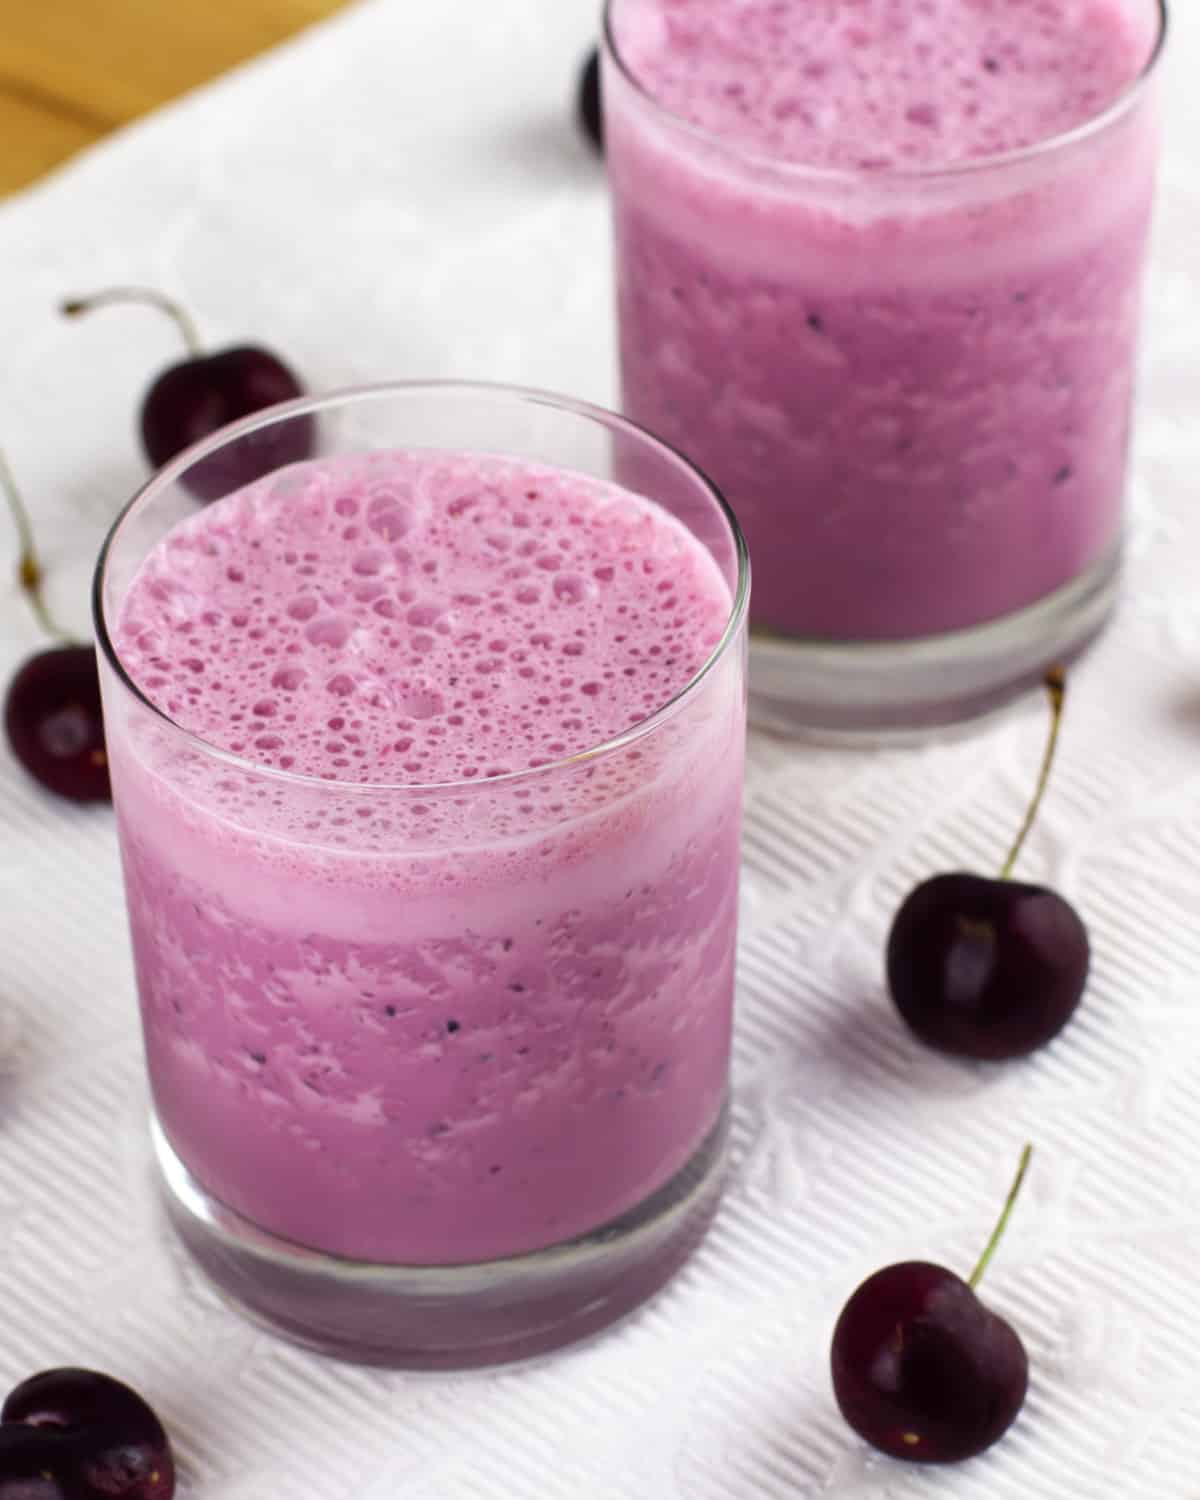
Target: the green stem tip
(1055, 683)
(76, 307)
(989, 1249)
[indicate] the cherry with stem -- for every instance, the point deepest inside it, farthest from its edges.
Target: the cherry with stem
(990, 968)
(921, 1369)
(52, 713)
(202, 393)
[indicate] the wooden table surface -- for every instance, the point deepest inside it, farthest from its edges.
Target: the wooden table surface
(73, 70)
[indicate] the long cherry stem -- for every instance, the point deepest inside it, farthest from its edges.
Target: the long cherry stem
(1055, 682)
(75, 307)
(989, 1249)
(29, 569)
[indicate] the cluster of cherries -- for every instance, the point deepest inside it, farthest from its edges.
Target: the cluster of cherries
(73, 1434)
(982, 968)
(987, 969)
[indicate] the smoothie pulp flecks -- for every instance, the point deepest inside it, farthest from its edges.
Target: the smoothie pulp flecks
(401, 1004)
(914, 388)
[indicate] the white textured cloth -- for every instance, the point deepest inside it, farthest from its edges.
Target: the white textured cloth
(403, 193)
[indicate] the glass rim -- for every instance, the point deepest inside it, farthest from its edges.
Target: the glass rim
(895, 176)
(313, 405)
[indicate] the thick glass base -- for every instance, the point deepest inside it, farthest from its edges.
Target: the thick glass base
(889, 690)
(448, 1317)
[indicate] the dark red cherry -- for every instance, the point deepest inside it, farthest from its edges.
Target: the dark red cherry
(990, 968)
(986, 968)
(104, 1441)
(54, 724)
(198, 396)
(921, 1369)
(588, 103)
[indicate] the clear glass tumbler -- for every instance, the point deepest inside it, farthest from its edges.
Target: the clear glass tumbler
(913, 382)
(439, 1071)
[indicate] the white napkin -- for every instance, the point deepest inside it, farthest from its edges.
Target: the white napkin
(403, 192)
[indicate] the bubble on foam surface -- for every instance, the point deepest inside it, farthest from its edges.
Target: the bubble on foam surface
(331, 631)
(881, 83)
(315, 646)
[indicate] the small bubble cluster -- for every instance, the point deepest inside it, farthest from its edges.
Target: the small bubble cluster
(420, 617)
(878, 84)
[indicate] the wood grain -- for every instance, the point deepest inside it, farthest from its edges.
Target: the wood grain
(73, 70)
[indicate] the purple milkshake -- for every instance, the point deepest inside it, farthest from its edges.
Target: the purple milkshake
(425, 982)
(899, 334)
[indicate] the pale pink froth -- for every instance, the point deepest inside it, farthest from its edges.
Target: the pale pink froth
(883, 83)
(420, 618)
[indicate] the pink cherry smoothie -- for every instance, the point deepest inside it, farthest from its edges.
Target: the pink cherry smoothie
(908, 362)
(402, 1003)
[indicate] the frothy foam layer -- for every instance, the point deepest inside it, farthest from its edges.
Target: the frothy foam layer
(885, 83)
(418, 617)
